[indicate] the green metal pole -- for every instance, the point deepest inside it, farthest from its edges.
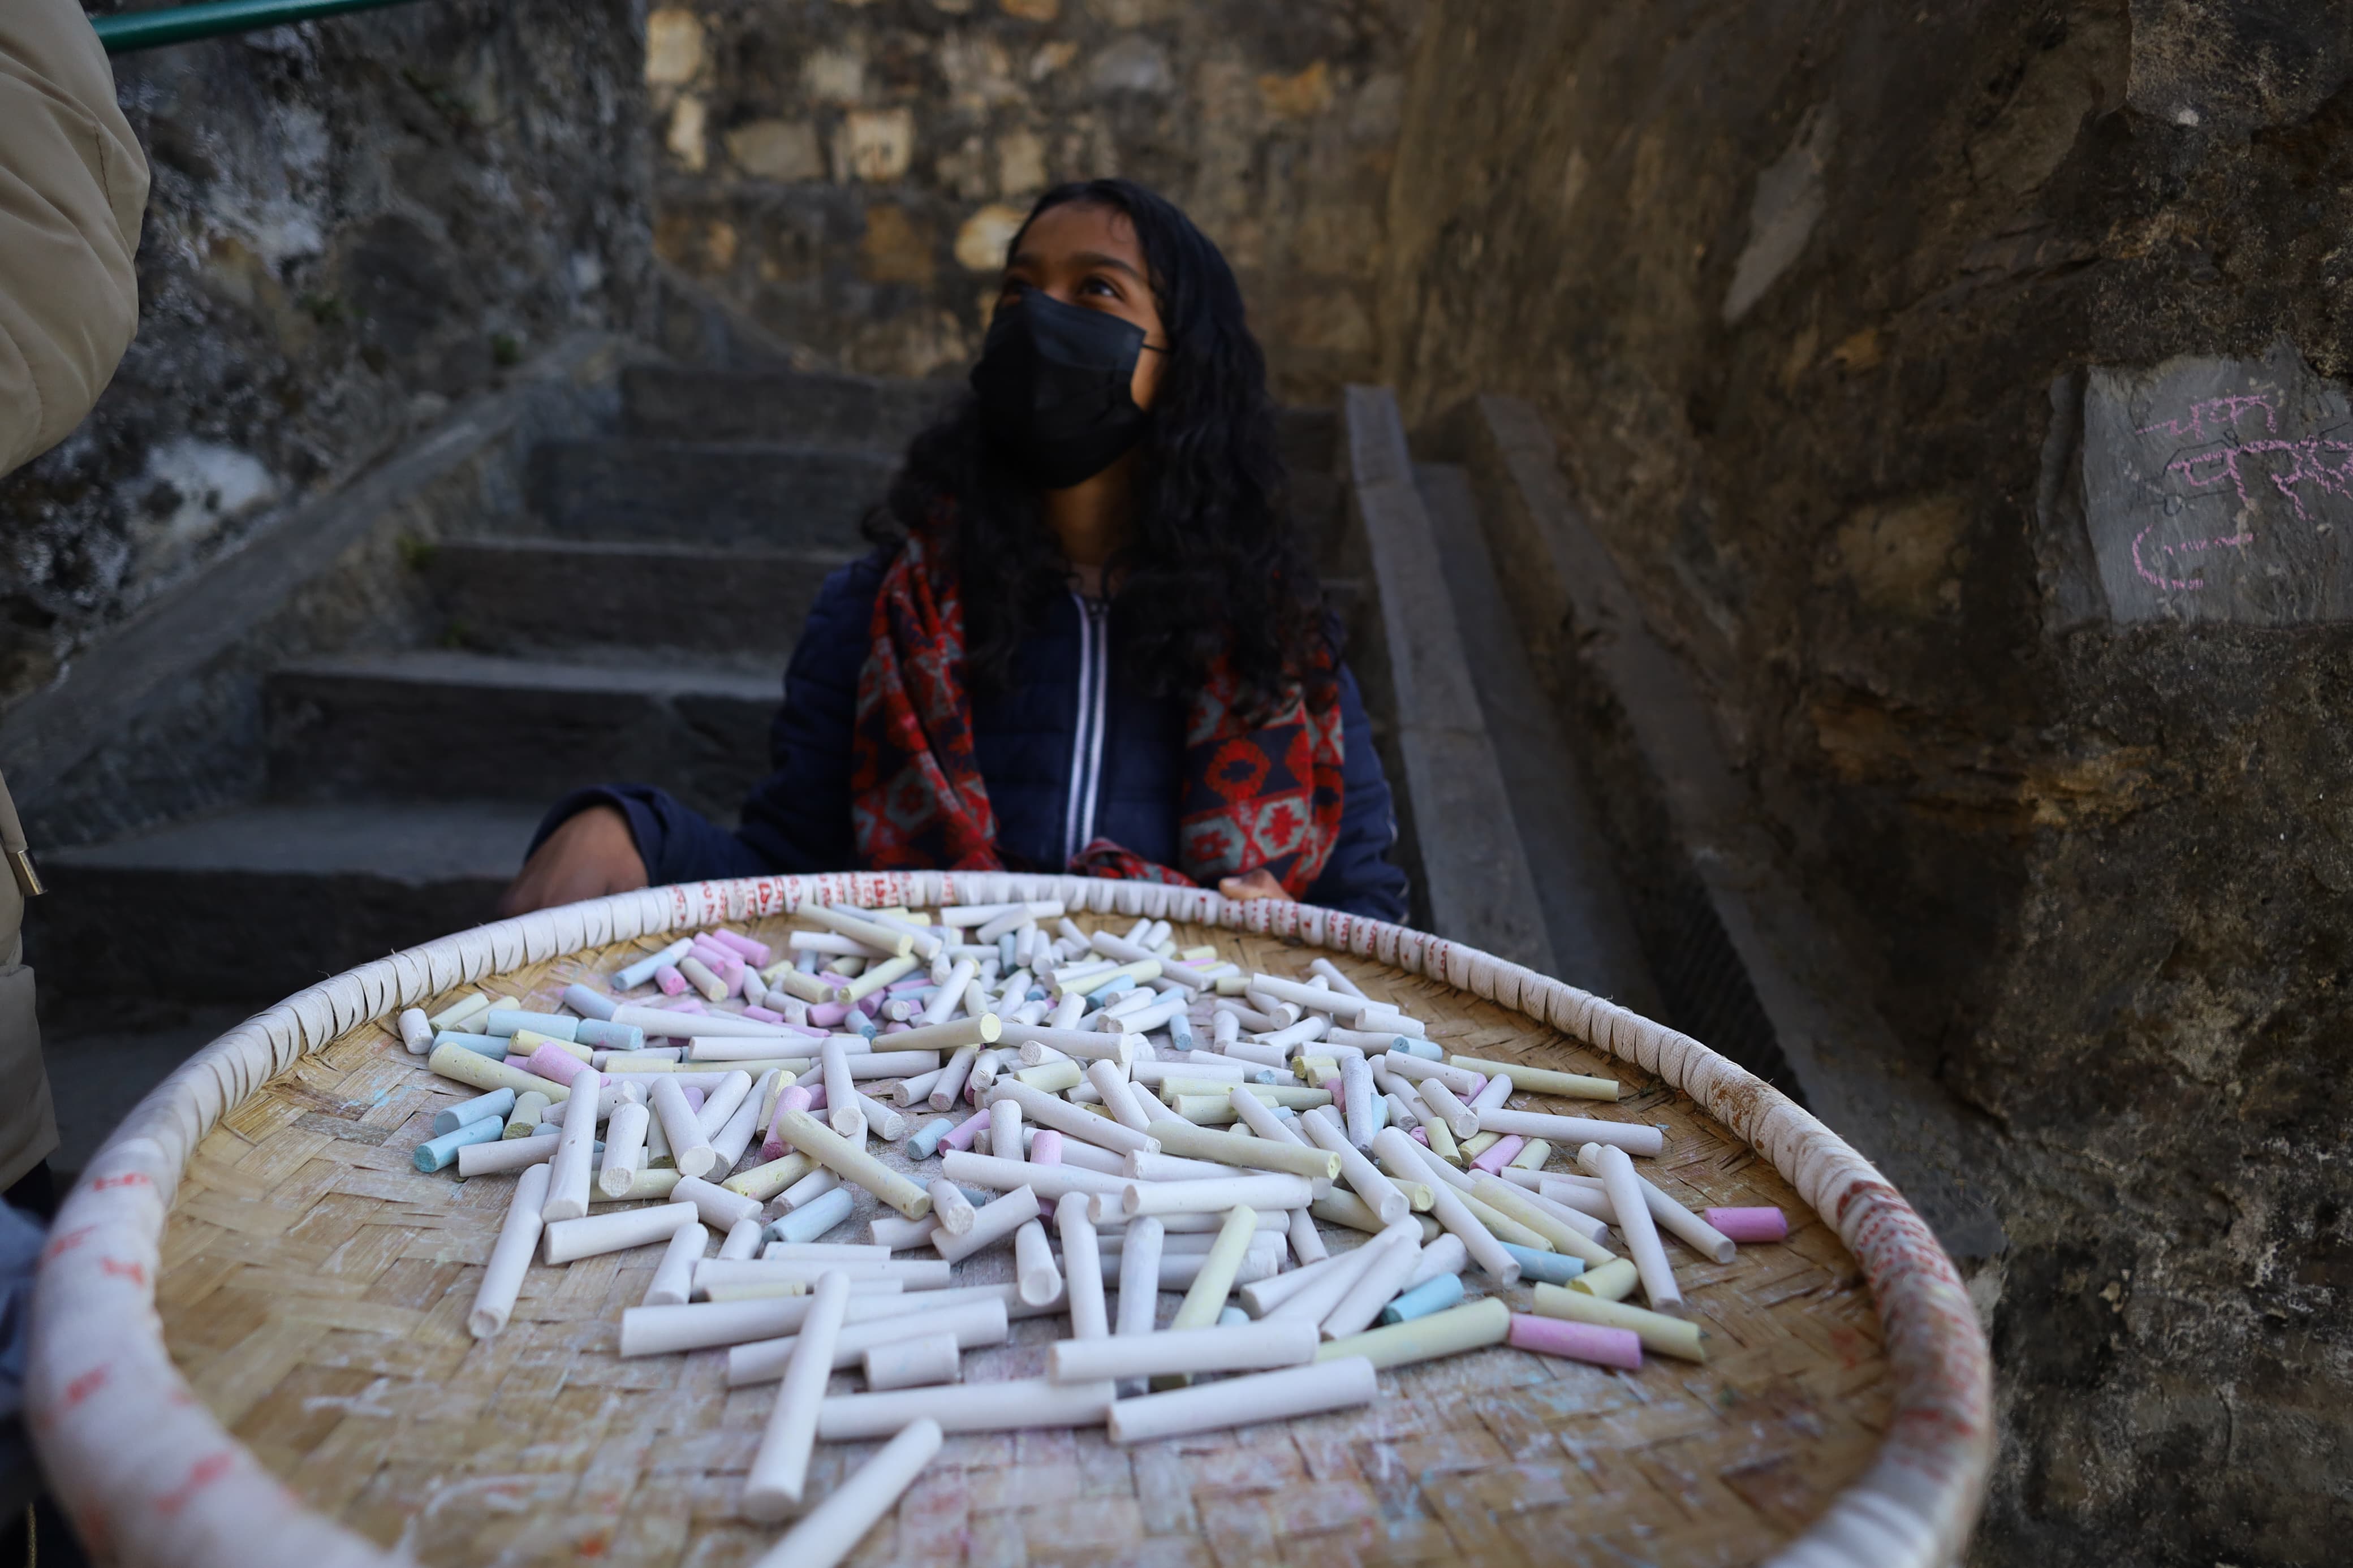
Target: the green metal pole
(130, 30)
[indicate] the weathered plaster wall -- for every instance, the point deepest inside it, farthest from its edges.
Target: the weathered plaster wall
(354, 223)
(846, 173)
(1854, 322)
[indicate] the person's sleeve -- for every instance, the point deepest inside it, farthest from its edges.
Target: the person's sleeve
(1359, 879)
(73, 187)
(677, 843)
(797, 819)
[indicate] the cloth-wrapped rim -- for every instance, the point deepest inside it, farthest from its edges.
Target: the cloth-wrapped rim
(150, 1476)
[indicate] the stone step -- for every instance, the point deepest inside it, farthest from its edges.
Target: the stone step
(1473, 880)
(708, 492)
(825, 411)
(802, 409)
(446, 725)
(529, 596)
(1591, 926)
(257, 903)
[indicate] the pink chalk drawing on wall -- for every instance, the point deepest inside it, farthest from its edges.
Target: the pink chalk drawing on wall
(2223, 412)
(2317, 465)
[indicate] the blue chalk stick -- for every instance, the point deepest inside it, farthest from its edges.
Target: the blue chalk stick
(498, 1102)
(1104, 996)
(588, 1002)
(606, 1035)
(640, 972)
(926, 1141)
(491, 1045)
(1430, 1296)
(813, 1218)
(437, 1153)
(508, 1020)
(1545, 1267)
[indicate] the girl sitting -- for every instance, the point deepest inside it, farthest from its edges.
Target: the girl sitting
(1086, 639)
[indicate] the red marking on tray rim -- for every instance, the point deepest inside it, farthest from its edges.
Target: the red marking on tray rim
(201, 1474)
(133, 1271)
(60, 1244)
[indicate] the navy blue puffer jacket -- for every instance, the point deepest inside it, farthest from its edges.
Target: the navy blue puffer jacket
(1051, 793)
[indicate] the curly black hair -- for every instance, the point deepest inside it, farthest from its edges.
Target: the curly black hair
(1213, 566)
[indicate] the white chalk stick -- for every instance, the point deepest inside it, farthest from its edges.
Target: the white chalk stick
(924, 1361)
(833, 1528)
(780, 1466)
(568, 1240)
(510, 1256)
(1277, 1343)
(1018, 1406)
(673, 1279)
(1244, 1401)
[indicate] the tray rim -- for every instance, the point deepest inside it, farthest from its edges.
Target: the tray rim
(151, 1477)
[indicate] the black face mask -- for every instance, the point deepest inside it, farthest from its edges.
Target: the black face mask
(1053, 381)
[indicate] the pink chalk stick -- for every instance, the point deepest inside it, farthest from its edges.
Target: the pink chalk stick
(554, 1062)
(773, 1146)
(1479, 1081)
(894, 1028)
(1046, 1148)
(520, 1063)
(966, 1131)
(1751, 1224)
(1499, 1153)
(754, 952)
(912, 982)
(670, 981)
(805, 1029)
(1577, 1341)
(1421, 1135)
(692, 1005)
(817, 1096)
(764, 1015)
(825, 1015)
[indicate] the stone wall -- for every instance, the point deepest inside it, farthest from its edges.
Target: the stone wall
(846, 173)
(354, 223)
(1961, 388)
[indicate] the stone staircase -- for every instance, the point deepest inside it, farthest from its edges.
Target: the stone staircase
(632, 623)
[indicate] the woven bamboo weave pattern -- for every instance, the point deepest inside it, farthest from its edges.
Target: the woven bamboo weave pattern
(313, 1287)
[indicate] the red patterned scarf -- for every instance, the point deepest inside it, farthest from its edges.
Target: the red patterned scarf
(1265, 797)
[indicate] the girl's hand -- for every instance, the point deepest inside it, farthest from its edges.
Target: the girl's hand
(590, 855)
(1258, 884)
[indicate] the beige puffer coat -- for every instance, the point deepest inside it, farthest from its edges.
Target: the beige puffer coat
(73, 185)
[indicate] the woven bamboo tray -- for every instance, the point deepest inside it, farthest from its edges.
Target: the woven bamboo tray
(249, 1345)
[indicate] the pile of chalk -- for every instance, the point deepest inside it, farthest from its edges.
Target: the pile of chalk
(1181, 1124)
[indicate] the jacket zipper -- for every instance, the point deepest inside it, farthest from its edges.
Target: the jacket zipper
(1086, 745)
